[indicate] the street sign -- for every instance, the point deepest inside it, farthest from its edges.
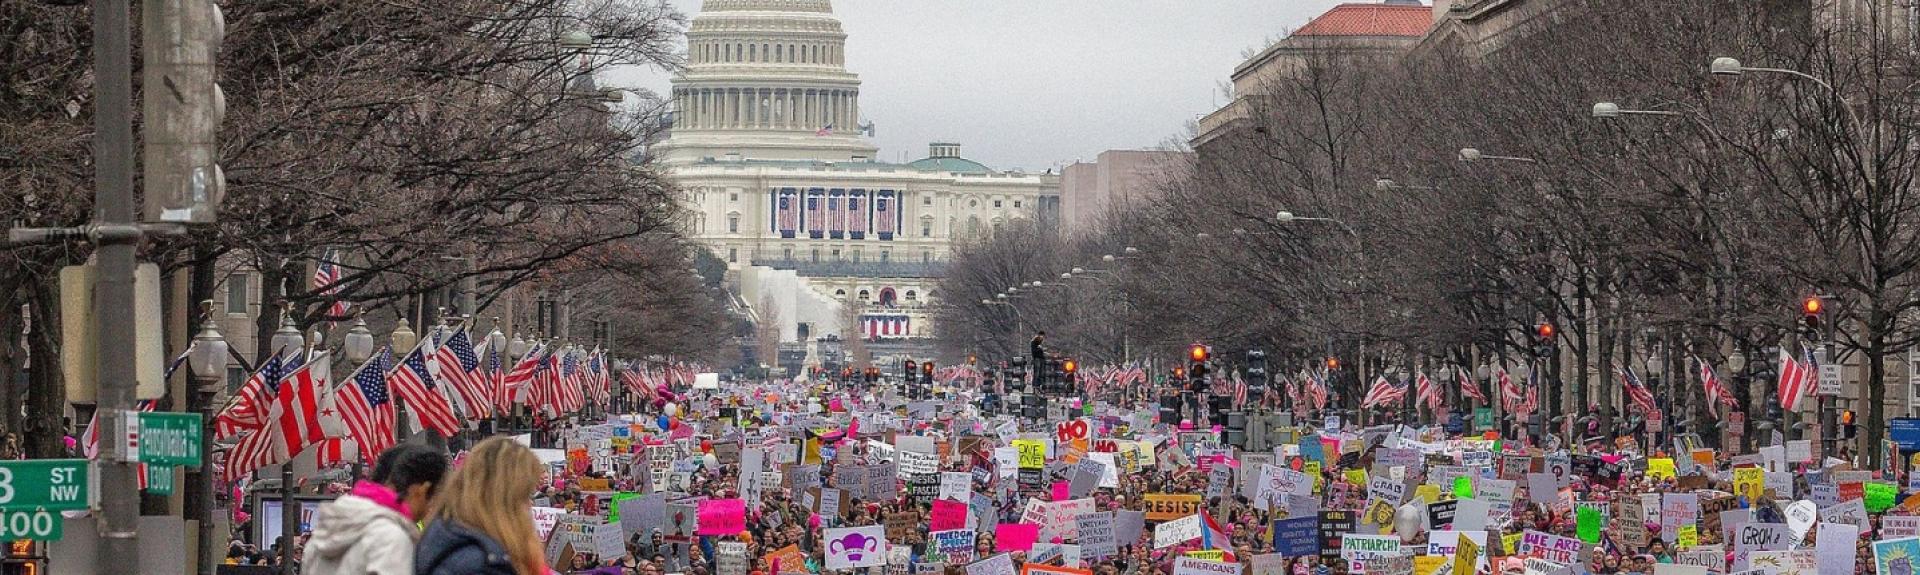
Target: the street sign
(38, 524)
(169, 439)
(1829, 379)
(159, 479)
(50, 484)
(1905, 431)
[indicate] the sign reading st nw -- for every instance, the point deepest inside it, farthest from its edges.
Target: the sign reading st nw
(50, 484)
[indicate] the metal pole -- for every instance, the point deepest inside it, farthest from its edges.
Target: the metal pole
(201, 479)
(289, 518)
(115, 238)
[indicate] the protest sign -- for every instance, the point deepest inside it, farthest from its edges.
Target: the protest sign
(1334, 525)
(1712, 557)
(1897, 556)
(785, 560)
(900, 524)
(1357, 549)
(722, 517)
(1176, 532)
(851, 547)
(1296, 537)
(953, 546)
(730, 557)
(1171, 506)
(1198, 566)
(1015, 536)
(1001, 564)
(1127, 526)
(1550, 547)
(947, 515)
(1096, 535)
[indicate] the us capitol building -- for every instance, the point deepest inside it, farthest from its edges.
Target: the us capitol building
(771, 154)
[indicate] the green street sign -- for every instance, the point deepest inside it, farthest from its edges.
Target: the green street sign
(1483, 418)
(49, 484)
(38, 524)
(169, 439)
(159, 480)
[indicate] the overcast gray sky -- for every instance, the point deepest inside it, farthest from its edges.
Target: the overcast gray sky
(1036, 83)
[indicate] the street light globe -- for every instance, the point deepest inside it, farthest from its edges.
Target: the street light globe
(1725, 66)
(403, 337)
(1383, 184)
(1202, 236)
(1013, 290)
(358, 343)
(1000, 296)
(1081, 270)
(1107, 258)
(496, 341)
(287, 339)
(1036, 283)
(576, 40)
(1606, 110)
(1066, 275)
(985, 301)
(1284, 216)
(1470, 154)
(209, 357)
(1130, 250)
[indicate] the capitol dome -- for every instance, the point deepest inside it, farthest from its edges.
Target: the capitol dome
(766, 80)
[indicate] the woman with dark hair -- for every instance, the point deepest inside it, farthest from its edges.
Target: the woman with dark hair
(370, 531)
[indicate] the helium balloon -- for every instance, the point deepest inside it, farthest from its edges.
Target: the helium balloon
(711, 461)
(706, 446)
(664, 422)
(673, 408)
(1408, 521)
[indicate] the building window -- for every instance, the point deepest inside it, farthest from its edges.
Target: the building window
(836, 254)
(733, 224)
(926, 228)
(840, 293)
(816, 255)
(735, 198)
(973, 203)
(733, 255)
(926, 256)
(1016, 203)
(235, 378)
(864, 296)
(911, 296)
(996, 203)
(237, 293)
(856, 256)
(885, 255)
(926, 200)
(786, 253)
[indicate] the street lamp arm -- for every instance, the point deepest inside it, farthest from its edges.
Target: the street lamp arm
(1795, 73)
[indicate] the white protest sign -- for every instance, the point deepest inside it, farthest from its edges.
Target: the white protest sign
(1833, 547)
(1184, 565)
(1096, 535)
(956, 485)
(1176, 532)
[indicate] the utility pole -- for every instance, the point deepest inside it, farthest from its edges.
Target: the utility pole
(115, 236)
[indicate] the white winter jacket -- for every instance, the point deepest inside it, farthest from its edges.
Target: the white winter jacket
(353, 535)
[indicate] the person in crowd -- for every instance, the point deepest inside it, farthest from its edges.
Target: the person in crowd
(371, 530)
(482, 523)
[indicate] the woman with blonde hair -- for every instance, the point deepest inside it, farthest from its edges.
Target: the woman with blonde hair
(482, 522)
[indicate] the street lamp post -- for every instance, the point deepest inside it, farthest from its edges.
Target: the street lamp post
(208, 359)
(287, 340)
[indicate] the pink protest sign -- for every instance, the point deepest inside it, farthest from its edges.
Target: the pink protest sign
(1015, 536)
(947, 515)
(723, 517)
(1061, 491)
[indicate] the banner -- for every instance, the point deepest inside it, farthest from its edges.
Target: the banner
(851, 547)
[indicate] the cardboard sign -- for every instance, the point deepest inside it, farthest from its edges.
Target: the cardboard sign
(1096, 535)
(1001, 564)
(1176, 532)
(1196, 566)
(1563, 550)
(1171, 506)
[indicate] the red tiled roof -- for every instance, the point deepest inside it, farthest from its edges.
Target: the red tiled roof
(1370, 20)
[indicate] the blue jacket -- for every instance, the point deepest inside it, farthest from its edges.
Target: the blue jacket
(449, 548)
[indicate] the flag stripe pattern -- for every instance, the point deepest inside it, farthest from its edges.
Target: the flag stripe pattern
(411, 382)
(458, 368)
(365, 405)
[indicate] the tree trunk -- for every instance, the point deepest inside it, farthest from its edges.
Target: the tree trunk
(272, 291)
(44, 428)
(1604, 366)
(1876, 386)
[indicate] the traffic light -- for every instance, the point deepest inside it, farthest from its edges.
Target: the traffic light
(1179, 372)
(1069, 367)
(926, 373)
(1543, 344)
(907, 368)
(1810, 311)
(1333, 363)
(24, 557)
(183, 108)
(1847, 428)
(1256, 372)
(1199, 353)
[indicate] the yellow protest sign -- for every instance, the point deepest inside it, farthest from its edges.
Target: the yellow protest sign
(1171, 506)
(1748, 481)
(1033, 453)
(1312, 469)
(1687, 537)
(1466, 557)
(1208, 554)
(1357, 476)
(1427, 492)
(1428, 564)
(1660, 468)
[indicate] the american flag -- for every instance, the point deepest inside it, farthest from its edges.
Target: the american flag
(597, 377)
(326, 280)
(365, 406)
(1511, 396)
(519, 383)
(572, 380)
(1638, 393)
(824, 130)
(883, 214)
(857, 214)
(497, 380)
(247, 410)
(1796, 380)
(458, 368)
(1239, 390)
(293, 422)
(1469, 387)
(636, 381)
(816, 220)
(1716, 392)
(411, 381)
(787, 215)
(1383, 392)
(1530, 396)
(1429, 394)
(836, 217)
(1317, 390)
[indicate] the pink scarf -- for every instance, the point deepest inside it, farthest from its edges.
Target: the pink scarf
(381, 495)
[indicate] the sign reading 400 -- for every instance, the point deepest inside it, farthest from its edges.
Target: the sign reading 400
(49, 484)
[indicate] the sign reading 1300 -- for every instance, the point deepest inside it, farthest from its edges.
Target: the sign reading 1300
(49, 484)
